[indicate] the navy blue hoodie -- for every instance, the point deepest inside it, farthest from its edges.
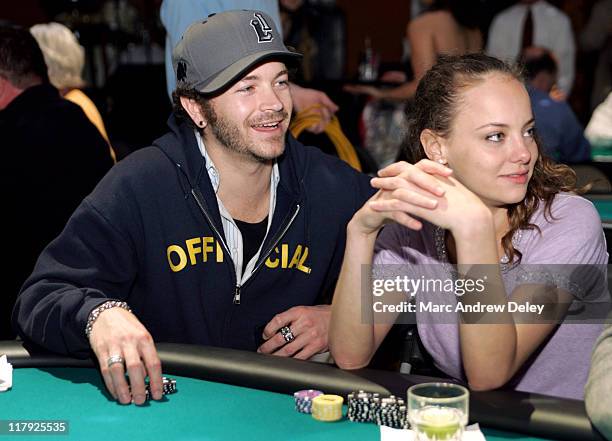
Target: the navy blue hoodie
(151, 234)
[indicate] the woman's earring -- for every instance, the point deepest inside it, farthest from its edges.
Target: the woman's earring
(441, 161)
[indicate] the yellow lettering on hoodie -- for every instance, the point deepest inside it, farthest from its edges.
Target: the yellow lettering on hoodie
(301, 265)
(219, 253)
(192, 249)
(295, 260)
(284, 255)
(182, 258)
(207, 248)
(272, 263)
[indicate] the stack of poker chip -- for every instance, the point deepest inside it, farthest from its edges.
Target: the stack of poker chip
(360, 406)
(303, 399)
(327, 407)
(168, 387)
(366, 407)
(390, 412)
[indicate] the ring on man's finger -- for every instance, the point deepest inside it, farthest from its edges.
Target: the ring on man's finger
(287, 334)
(114, 359)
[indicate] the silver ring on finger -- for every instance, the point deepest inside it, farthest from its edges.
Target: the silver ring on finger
(287, 334)
(113, 359)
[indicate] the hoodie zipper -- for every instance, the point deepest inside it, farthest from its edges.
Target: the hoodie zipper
(275, 242)
(237, 290)
(211, 223)
(219, 236)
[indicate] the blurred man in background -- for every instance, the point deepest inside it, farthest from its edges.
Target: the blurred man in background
(557, 125)
(53, 157)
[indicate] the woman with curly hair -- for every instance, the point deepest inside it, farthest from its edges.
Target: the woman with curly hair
(484, 207)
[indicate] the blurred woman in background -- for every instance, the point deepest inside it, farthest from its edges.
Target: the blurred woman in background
(448, 27)
(65, 59)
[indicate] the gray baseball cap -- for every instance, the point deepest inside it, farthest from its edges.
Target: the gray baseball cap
(216, 52)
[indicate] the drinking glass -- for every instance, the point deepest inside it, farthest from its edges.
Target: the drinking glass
(438, 411)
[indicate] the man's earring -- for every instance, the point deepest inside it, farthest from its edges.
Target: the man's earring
(201, 124)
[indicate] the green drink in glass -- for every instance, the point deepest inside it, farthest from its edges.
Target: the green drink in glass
(438, 411)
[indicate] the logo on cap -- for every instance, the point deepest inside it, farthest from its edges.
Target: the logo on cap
(262, 28)
(181, 71)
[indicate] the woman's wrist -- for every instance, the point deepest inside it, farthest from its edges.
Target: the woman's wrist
(356, 229)
(475, 226)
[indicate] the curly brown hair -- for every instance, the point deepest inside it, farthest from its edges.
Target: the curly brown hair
(434, 107)
(179, 112)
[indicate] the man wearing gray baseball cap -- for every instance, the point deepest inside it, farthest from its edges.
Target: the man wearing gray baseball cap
(216, 52)
(177, 15)
(226, 232)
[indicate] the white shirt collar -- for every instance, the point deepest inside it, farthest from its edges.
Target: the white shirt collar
(214, 174)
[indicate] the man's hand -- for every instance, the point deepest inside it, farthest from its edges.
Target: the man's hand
(117, 332)
(309, 325)
(557, 94)
(319, 102)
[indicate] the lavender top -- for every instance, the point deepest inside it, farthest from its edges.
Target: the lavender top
(560, 366)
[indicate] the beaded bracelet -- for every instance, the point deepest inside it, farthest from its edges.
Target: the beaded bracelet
(95, 313)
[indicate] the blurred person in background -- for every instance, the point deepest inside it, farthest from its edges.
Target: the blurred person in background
(318, 32)
(557, 126)
(535, 23)
(597, 399)
(597, 37)
(53, 158)
(445, 27)
(599, 128)
(448, 27)
(65, 59)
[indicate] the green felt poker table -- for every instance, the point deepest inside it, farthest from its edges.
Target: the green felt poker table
(601, 150)
(603, 203)
(225, 394)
